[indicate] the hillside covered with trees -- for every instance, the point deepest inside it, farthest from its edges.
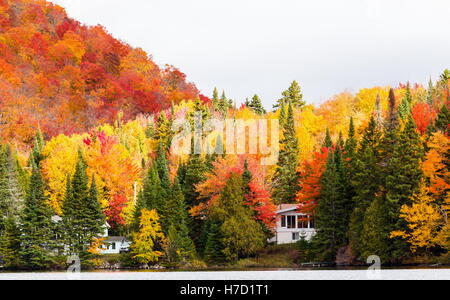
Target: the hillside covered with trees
(88, 130)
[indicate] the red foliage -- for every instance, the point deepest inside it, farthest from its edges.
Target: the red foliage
(75, 81)
(310, 175)
(114, 211)
(422, 115)
(258, 199)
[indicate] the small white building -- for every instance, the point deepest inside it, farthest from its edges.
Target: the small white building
(291, 225)
(113, 244)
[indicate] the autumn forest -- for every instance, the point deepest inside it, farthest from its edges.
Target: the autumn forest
(87, 132)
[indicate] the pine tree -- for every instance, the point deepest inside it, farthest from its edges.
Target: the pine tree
(285, 183)
(241, 234)
(10, 244)
(213, 253)
(163, 131)
(332, 211)
(38, 146)
(293, 95)
(257, 106)
(95, 217)
(5, 193)
(402, 178)
(365, 182)
(430, 93)
(404, 109)
(443, 120)
(36, 225)
(327, 143)
(83, 218)
(177, 217)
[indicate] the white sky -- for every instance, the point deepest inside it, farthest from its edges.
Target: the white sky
(259, 46)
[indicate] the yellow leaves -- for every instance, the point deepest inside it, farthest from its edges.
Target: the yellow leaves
(424, 221)
(149, 234)
(61, 155)
(308, 128)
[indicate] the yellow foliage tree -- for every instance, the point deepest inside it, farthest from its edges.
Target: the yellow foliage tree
(61, 155)
(148, 236)
(424, 221)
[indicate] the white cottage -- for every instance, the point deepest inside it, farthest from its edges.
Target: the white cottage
(113, 244)
(291, 225)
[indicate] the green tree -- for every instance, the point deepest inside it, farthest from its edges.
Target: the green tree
(241, 235)
(332, 211)
(365, 181)
(36, 225)
(285, 180)
(10, 244)
(293, 94)
(257, 106)
(213, 253)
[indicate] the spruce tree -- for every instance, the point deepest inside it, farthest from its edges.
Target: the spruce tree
(443, 120)
(401, 179)
(327, 143)
(285, 180)
(257, 106)
(365, 182)
(331, 214)
(10, 244)
(213, 253)
(5, 193)
(293, 95)
(36, 225)
(95, 217)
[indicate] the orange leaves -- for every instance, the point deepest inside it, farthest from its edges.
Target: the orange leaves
(259, 197)
(422, 115)
(89, 75)
(310, 175)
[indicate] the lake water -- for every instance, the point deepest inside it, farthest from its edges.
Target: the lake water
(387, 274)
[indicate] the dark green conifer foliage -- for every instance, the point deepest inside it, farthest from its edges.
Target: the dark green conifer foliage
(327, 143)
(285, 181)
(36, 225)
(402, 176)
(213, 253)
(10, 244)
(83, 218)
(443, 120)
(365, 181)
(257, 106)
(293, 95)
(332, 211)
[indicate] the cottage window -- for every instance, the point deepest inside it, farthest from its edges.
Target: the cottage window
(283, 221)
(290, 221)
(302, 223)
(113, 246)
(311, 223)
(295, 236)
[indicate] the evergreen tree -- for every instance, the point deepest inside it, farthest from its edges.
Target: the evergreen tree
(404, 109)
(164, 131)
(401, 179)
(430, 93)
(443, 120)
(365, 182)
(178, 219)
(36, 225)
(293, 95)
(327, 143)
(83, 218)
(38, 146)
(10, 244)
(213, 253)
(5, 193)
(241, 234)
(257, 106)
(285, 182)
(332, 211)
(95, 217)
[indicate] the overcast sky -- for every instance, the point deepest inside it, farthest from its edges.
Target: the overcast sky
(259, 46)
